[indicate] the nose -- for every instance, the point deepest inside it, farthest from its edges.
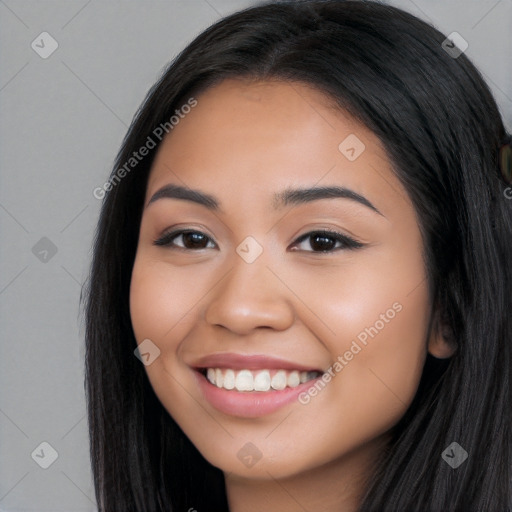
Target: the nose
(248, 297)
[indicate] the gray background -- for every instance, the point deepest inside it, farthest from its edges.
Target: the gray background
(62, 120)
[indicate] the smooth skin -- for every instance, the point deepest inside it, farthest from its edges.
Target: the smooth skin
(242, 143)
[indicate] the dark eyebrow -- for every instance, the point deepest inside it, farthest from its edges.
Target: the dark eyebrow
(305, 195)
(178, 192)
(287, 197)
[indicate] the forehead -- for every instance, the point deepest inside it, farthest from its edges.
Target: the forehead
(273, 111)
(253, 135)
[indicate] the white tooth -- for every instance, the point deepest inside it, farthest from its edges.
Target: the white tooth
(219, 378)
(244, 381)
(303, 377)
(229, 379)
(262, 381)
(279, 380)
(210, 375)
(293, 379)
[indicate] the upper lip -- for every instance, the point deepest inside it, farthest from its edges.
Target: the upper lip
(248, 362)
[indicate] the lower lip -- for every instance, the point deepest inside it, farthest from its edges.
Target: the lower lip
(249, 404)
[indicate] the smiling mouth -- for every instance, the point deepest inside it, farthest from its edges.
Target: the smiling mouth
(257, 380)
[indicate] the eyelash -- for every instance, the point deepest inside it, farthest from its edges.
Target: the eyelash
(349, 243)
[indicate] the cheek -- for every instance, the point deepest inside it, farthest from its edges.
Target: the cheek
(162, 300)
(161, 309)
(373, 320)
(150, 309)
(382, 363)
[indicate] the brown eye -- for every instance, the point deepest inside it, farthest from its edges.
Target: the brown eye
(189, 240)
(319, 241)
(325, 241)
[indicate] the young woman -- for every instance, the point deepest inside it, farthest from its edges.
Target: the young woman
(300, 293)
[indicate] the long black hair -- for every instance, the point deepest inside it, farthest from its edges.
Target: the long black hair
(442, 130)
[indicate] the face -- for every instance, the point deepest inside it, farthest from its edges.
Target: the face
(292, 326)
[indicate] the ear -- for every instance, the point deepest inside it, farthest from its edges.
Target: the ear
(441, 343)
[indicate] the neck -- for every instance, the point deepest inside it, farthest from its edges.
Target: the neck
(336, 486)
